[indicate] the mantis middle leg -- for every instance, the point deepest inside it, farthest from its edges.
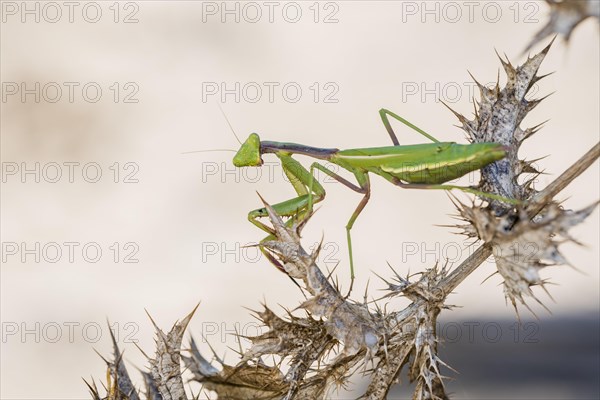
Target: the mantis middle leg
(363, 187)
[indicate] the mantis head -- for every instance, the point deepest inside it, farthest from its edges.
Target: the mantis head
(249, 154)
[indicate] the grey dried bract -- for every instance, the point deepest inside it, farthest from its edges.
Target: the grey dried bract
(151, 387)
(119, 385)
(165, 366)
(565, 15)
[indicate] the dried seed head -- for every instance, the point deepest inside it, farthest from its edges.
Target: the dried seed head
(498, 116)
(522, 247)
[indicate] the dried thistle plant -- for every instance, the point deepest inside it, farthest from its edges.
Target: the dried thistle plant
(337, 337)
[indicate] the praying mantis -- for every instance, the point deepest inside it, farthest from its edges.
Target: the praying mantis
(427, 166)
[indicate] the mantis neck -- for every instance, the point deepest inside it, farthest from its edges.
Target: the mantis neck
(295, 148)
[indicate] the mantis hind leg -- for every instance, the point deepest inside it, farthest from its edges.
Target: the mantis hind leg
(384, 113)
(462, 188)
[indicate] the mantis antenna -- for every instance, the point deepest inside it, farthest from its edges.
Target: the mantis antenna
(229, 123)
(232, 131)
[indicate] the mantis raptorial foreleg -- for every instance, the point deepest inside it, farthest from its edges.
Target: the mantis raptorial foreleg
(295, 207)
(310, 191)
(299, 178)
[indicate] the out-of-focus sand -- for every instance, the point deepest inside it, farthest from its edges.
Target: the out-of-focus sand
(185, 208)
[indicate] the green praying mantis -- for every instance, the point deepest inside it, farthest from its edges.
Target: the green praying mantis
(427, 166)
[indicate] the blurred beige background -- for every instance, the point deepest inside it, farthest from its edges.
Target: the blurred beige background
(184, 220)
